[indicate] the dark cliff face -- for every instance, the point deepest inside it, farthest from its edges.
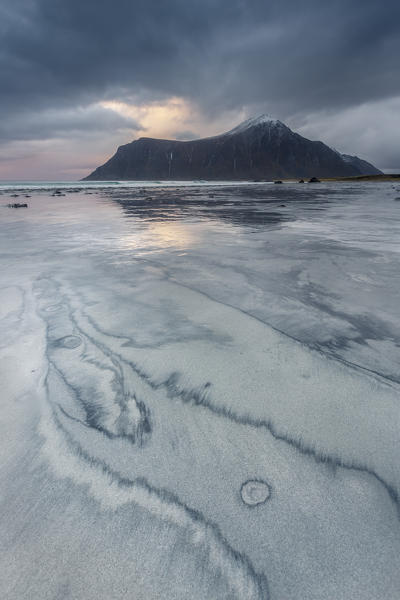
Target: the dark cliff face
(259, 148)
(363, 166)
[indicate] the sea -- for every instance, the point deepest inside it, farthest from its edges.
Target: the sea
(68, 185)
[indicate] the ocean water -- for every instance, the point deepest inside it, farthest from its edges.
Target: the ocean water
(6, 186)
(200, 391)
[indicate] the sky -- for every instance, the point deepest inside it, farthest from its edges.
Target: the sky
(78, 78)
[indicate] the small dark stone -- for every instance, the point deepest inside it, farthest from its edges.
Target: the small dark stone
(17, 205)
(301, 181)
(278, 181)
(314, 180)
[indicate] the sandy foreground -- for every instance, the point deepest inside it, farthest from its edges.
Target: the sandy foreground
(200, 393)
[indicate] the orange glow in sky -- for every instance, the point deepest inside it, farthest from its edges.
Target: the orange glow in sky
(171, 119)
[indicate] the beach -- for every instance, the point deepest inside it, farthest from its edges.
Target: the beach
(200, 390)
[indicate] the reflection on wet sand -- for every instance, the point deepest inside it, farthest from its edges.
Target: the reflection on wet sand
(194, 405)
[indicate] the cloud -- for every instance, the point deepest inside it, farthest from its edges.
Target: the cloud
(93, 120)
(172, 117)
(370, 130)
(221, 58)
(185, 135)
(219, 54)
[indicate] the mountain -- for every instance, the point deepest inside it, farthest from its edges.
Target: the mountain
(259, 148)
(363, 166)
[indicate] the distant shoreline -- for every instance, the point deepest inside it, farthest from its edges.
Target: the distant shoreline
(380, 177)
(81, 186)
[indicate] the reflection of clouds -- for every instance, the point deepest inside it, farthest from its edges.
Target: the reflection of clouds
(162, 234)
(173, 234)
(360, 231)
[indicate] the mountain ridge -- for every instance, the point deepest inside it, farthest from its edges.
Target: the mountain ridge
(258, 148)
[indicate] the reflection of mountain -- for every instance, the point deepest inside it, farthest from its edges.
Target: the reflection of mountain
(256, 206)
(260, 148)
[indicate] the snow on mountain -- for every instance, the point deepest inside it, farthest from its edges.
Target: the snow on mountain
(255, 122)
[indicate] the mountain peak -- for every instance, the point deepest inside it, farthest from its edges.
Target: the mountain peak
(256, 122)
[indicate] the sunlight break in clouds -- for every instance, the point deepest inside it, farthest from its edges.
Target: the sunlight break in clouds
(174, 118)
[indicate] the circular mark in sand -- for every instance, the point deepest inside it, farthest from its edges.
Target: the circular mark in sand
(52, 308)
(69, 341)
(255, 492)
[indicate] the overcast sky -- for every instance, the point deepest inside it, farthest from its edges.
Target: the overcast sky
(80, 77)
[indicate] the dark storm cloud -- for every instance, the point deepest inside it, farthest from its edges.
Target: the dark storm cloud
(286, 57)
(310, 55)
(79, 122)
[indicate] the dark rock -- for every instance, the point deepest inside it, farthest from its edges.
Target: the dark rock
(17, 205)
(301, 181)
(314, 180)
(278, 181)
